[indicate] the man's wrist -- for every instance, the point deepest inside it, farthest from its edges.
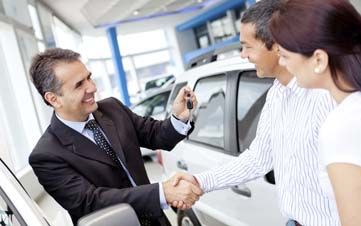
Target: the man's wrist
(178, 118)
(162, 196)
(181, 127)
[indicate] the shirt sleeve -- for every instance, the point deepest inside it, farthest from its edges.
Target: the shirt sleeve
(340, 142)
(179, 126)
(251, 164)
(163, 201)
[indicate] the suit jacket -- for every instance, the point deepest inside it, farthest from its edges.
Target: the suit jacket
(82, 178)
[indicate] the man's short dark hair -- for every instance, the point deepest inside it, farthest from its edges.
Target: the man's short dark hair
(42, 69)
(260, 15)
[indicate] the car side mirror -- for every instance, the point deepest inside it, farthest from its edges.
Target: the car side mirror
(117, 215)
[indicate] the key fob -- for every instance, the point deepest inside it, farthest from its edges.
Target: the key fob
(189, 103)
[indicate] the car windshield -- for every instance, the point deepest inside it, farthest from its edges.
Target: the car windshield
(153, 105)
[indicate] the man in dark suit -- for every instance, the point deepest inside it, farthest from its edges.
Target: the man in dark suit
(89, 157)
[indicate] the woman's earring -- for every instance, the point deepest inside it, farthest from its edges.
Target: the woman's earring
(317, 70)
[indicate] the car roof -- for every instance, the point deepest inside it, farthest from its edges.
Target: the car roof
(217, 67)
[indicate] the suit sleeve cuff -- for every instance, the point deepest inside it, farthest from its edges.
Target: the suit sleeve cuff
(179, 126)
(163, 201)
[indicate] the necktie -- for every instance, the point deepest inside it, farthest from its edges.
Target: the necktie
(105, 146)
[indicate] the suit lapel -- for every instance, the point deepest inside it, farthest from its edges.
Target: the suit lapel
(78, 143)
(111, 132)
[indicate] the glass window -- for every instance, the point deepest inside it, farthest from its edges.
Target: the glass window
(35, 22)
(159, 103)
(41, 46)
(238, 15)
(209, 114)
(18, 11)
(18, 113)
(141, 61)
(7, 217)
(202, 36)
(143, 42)
(222, 29)
(2, 11)
(152, 106)
(174, 95)
(146, 73)
(102, 49)
(149, 59)
(204, 41)
(110, 65)
(100, 74)
(65, 37)
(251, 98)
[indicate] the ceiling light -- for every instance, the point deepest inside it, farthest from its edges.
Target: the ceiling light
(199, 1)
(136, 12)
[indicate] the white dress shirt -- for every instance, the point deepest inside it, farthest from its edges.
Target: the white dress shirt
(286, 141)
(179, 126)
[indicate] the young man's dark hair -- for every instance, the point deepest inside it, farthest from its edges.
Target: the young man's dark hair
(260, 15)
(42, 69)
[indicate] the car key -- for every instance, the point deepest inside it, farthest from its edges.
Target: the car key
(189, 107)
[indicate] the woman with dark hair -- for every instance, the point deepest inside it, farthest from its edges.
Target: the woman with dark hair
(320, 43)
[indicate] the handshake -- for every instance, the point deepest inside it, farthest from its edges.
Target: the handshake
(182, 190)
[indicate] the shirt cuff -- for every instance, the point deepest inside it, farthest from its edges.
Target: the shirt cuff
(179, 126)
(163, 201)
(206, 181)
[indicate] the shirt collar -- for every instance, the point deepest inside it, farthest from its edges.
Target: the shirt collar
(77, 126)
(291, 87)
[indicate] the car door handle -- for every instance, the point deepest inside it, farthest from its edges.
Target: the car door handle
(181, 164)
(242, 190)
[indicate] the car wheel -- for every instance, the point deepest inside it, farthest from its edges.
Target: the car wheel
(187, 218)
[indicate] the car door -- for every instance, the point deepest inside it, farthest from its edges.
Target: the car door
(16, 207)
(225, 124)
(8, 215)
(173, 161)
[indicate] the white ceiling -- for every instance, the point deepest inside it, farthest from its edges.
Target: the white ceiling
(85, 15)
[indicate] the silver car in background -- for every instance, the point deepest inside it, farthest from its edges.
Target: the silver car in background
(153, 106)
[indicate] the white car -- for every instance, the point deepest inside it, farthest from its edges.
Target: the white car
(230, 98)
(18, 209)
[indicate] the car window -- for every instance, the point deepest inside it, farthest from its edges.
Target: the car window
(7, 218)
(174, 95)
(251, 97)
(153, 105)
(159, 103)
(209, 114)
